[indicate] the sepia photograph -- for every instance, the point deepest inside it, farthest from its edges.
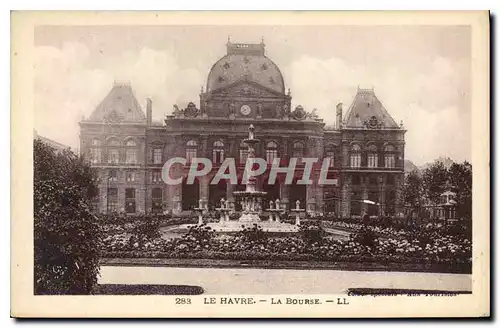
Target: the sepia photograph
(222, 165)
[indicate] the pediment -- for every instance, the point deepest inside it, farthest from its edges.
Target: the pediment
(247, 89)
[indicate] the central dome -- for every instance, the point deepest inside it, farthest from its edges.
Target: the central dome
(245, 62)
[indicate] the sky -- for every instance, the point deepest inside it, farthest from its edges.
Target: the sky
(422, 74)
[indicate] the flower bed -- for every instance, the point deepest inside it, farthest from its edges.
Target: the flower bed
(253, 244)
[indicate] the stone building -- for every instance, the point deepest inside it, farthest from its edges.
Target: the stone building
(365, 147)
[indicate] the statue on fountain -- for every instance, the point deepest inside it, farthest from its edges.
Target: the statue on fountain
(251, 202)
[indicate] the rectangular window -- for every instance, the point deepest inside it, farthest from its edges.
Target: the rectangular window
(131, 157)
(330, 155)
(157, 156)
(356, 160)
(113, 156)
(156, 176)
(218, 156)
(271, 154)
(112, 199)
(130, 176)
(130, 200)
(390, 161)
(157, 200)
(113, 175)
(372, 160)
(95, 155)
(190, 154)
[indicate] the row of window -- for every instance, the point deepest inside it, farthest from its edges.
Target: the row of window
(113, 156)
(113, 142)
(298, 151)
(130, 200)
(373, 180)
(372, 160)
(130, 176)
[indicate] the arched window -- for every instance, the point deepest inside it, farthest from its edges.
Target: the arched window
(271, 152)
(243, 152)
(355, 156)
(372, 156)
(131, 153)
(95, 151)
(330, 155)
(298, 151)
(191, 150)
(389, 156)
(113, 142)
(113, 153)
(218, 152)
(130, 143)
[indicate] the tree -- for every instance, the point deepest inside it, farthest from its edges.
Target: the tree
(460, 178)
(413, 191)
(66, 235)
(435, 182)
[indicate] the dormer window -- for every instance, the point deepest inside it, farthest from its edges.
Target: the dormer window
(226, 65)
(264, 66)
(271, 79)
(220, 79)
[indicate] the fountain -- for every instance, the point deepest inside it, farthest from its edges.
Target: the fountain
(297, 210)
(250, 198)
(275, 212)
(224, 210)
(250, 201)
(199, 211)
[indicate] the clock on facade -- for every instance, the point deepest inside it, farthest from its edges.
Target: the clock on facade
(245, 109)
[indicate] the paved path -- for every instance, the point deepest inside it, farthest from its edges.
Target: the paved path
(269, 281)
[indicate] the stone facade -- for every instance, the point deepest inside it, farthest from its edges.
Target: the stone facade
(244, 87)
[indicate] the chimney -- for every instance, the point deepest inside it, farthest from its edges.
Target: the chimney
(338, 122)
(149, 111)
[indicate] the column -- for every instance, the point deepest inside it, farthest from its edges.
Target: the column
(204, 189)
(382, 194)
(229, 195)
(139, 199)
(121, 199)
(399, 181)
(284, 194)
(310, 205)
(364, 206)
(345, 195)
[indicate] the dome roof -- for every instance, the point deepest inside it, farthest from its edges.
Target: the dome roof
(245, 61)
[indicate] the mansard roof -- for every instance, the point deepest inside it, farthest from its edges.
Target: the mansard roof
(120, 105)
(366, 111)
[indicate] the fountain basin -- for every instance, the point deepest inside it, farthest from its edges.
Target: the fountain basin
(234, 226)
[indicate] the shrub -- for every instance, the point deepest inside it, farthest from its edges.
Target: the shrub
(365, 237)
(200, 234)
(311, 232)
(67, 236)
(147, 230)
(254, 234)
